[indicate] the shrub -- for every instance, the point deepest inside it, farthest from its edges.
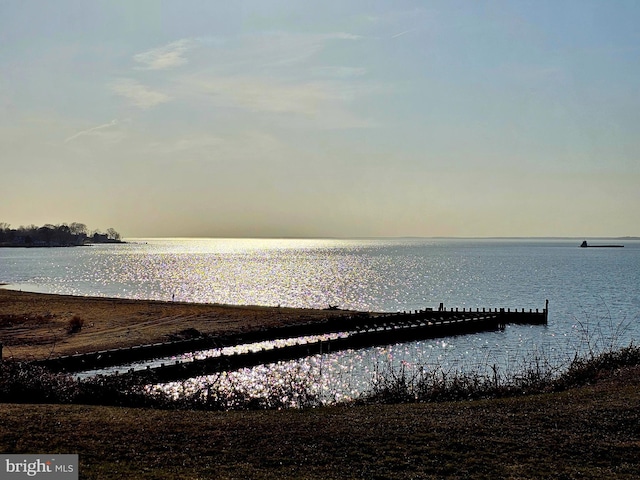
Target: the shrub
(25, 383)
(75, 324)
(396, 385)
(583, 371)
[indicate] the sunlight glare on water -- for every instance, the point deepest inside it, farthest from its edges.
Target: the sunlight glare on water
(591, 292)
(298, 273)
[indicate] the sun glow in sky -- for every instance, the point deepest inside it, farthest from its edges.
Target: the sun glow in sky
(330, 118)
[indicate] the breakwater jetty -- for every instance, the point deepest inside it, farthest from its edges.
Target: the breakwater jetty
(352, 331)
(587, 245)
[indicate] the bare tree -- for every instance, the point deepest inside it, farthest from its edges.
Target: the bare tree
(113, 235)
(78, 228)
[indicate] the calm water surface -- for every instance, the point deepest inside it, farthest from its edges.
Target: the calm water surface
(593, 293)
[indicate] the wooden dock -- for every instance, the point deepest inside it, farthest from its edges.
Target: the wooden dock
(355, 332)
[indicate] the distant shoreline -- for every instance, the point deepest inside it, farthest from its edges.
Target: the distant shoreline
(63, 235)
(16, 245)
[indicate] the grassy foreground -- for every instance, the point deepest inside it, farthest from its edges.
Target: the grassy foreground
(587, 432)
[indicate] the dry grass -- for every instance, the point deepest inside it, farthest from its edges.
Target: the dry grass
(588, 432)
(35, 325)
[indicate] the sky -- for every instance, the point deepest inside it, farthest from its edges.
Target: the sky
(274, 118)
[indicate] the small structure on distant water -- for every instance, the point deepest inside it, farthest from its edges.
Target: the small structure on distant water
(584, 244)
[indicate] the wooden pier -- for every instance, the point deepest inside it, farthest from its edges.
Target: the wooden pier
(355, 332)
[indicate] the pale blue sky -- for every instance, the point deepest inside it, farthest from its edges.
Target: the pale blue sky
(332, 118)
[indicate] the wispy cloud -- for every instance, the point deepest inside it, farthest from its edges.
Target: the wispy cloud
(339, 72)
(270, 72)
(192, 142)
(235, 146)
(273, 49)
(264, 95)
(273, 72)
(92, 131)
(138, 94)
(165, 57)
(323, 104)
(403, 33)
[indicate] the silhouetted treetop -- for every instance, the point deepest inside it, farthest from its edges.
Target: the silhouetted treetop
(48, 235)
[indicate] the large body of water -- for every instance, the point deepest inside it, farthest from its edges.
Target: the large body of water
(593, 293)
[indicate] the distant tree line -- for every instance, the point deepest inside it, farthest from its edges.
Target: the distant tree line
(63, 235)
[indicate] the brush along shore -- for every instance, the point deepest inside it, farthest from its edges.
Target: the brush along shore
(587, 432)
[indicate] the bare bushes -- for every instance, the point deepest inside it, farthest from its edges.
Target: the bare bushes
(75, 324)
(277, 391)
(598, 353)
(10, 320)
(398, 385)
(436, 385)
(583, 371)
(26, 383)
(21, 382)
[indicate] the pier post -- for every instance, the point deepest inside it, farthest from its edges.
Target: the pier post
(363, 330)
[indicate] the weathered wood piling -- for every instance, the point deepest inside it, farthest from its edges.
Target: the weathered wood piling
(360, 330)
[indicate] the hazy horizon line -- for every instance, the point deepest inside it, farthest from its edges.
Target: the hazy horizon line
(390, 237)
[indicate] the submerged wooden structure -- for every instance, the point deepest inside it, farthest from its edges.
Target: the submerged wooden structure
(584, 244)
(355, 331)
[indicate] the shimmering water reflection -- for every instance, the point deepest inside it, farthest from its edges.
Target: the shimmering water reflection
(594, 296)
(331, 378)
(216, 352)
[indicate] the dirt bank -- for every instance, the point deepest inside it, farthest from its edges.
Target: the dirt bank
(35, 325)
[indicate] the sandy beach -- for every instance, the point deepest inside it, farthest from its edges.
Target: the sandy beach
(35, 325)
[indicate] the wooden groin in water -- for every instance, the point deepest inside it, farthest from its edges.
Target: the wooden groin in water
(586, 245)
(357, 331)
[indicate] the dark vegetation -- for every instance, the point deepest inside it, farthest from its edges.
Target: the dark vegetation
(63, 235)
(399, 387)
(22, 382)
(75, 324)
(588, 432)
